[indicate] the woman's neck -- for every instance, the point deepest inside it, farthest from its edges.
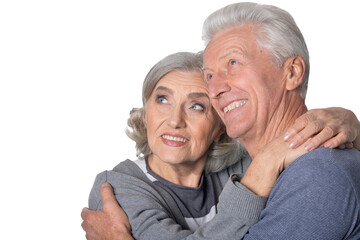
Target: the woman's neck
(184, 174)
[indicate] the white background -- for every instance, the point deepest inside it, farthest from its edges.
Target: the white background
(71, 70)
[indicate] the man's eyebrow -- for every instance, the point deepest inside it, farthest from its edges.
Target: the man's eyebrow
(164, 89)
(230, 52)
(194, 95)
(205, 67)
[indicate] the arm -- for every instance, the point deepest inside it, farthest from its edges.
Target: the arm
(111, 223)
(332, 127)
(267, 165)
(151, 219)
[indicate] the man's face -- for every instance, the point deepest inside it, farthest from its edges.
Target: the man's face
(245, 86)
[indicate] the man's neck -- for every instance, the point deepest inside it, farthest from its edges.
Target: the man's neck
(282, 118)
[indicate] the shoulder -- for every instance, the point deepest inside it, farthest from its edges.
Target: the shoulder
(124, 170)
(123, 175)
(318, 194)
(325, 164)
(127, 166)
(322, 180)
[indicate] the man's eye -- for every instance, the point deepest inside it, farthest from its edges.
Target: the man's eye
(198, 107)
(233, 62)
(209, 76)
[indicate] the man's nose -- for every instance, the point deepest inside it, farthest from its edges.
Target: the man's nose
(176, 118)
(218, 85)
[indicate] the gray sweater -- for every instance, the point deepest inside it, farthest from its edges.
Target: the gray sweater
(154, 214)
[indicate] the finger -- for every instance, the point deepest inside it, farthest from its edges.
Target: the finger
(107, 196)
(309, 131)
(336, 140)
(84, 226)
(294, 154)
(349, 145)
(300, 123)
(319, 139)
(85, 211)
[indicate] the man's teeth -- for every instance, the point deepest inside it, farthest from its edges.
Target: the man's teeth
(176, 139)
(234, 105)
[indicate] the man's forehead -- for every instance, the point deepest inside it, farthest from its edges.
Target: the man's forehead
(238, 50)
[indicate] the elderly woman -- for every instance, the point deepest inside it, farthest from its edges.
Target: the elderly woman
(185, 159)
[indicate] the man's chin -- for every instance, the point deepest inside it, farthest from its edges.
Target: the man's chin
(238, 130)
(233, 133)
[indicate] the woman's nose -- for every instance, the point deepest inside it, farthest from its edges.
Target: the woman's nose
(176, 118)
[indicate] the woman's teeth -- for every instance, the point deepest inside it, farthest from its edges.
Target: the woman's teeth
(176, 139)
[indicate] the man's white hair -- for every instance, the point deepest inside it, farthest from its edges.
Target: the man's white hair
(275, 30)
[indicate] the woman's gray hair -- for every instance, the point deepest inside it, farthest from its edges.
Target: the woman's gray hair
(221, 154)
(276, 31)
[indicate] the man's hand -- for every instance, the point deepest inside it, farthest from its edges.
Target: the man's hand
(109, 224)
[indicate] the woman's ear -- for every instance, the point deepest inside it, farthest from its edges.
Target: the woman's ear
(221, 131)
(295, 70)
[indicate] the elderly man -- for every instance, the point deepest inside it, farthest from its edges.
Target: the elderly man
(257, 66)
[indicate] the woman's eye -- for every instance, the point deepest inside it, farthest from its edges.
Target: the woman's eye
(198, 107)
(161, 99)
(233, 62)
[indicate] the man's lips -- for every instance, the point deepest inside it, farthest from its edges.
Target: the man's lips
(234, 105)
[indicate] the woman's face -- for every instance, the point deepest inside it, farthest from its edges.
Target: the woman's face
(181, 123)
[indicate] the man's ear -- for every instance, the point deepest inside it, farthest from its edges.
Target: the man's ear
(221, 131)
(294, 70)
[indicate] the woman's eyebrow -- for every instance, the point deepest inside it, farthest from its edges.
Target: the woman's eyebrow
(194, 95)
(162, 88)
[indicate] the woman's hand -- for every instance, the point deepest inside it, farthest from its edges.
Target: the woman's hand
(330, 127)
(267, 165)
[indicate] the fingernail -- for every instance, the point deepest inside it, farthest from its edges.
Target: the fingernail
(309, 147)
(286, 137)
(328, 145)
(293, 144)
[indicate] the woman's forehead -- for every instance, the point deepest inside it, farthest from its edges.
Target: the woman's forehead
(183, 81)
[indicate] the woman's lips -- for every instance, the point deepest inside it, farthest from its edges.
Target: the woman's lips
(174, 140)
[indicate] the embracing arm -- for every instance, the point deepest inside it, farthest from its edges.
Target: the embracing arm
(151, 219)
(331, 127)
